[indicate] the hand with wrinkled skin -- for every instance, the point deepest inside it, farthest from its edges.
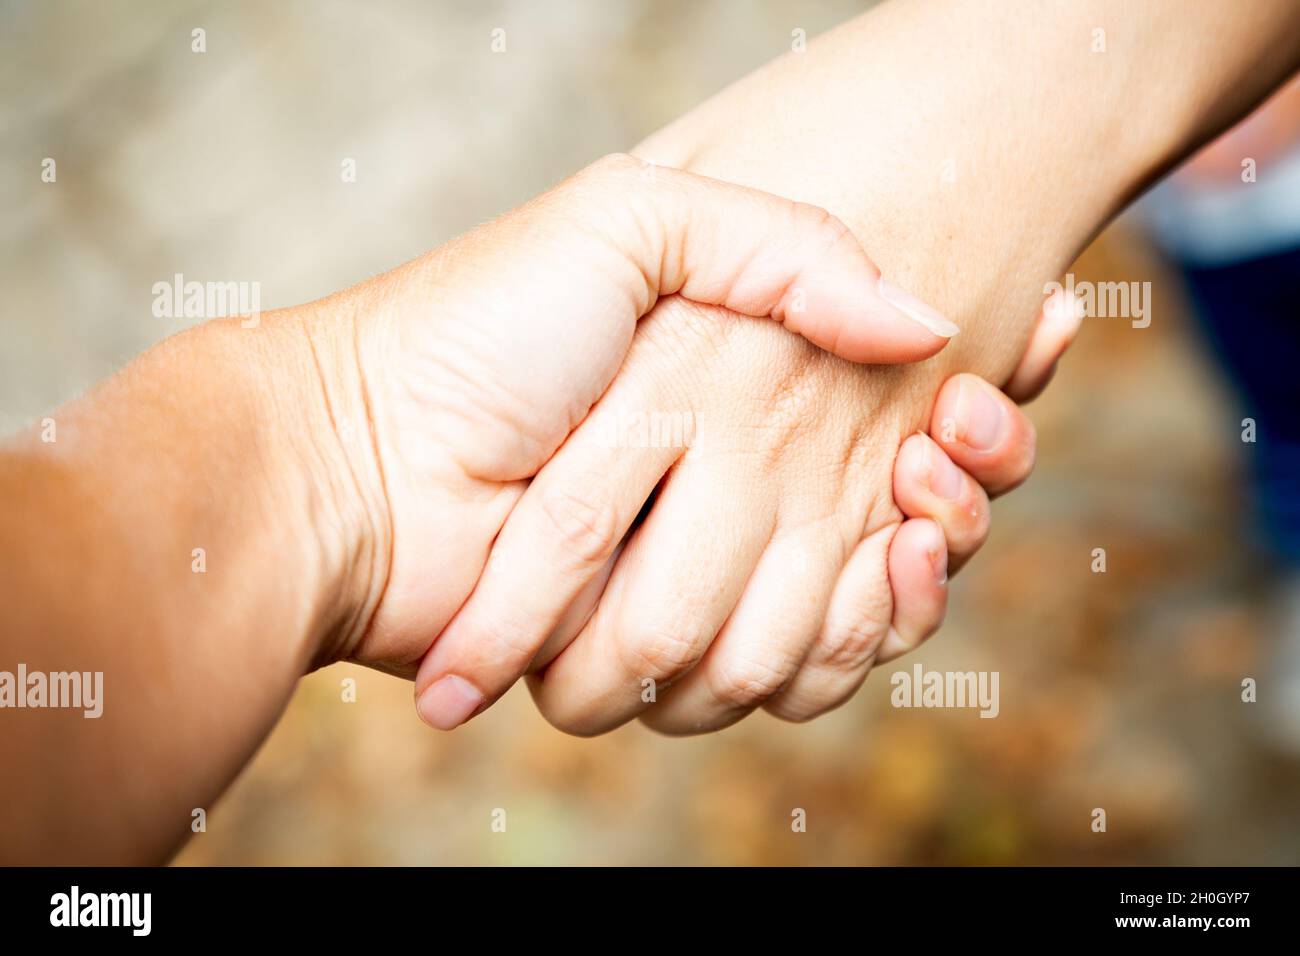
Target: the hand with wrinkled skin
(664, 613)
(476, 362)
(758, 576)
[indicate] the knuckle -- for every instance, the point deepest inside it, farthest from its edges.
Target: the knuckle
(852, 637)
(821, 219)
(746, 681)
(851, 643)
(794, 713)
(584, 522)
(576, 714)
(573, 723)
(804, 707)
(506, 641)
(830, 228)
(660, 653)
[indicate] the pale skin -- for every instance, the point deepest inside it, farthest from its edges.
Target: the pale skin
(975, 149)
(309, 524)
(237, 506)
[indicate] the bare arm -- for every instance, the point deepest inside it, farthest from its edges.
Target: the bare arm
(182, 540)
(975, 148)
(248, 500)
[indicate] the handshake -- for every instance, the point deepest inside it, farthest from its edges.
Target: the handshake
(420, 473)
(766, 554)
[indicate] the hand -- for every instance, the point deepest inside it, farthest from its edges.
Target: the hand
(353, 460)
(826, 674)
(474, 363)
(979, 446)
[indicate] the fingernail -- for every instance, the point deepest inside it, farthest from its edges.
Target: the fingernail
(448, 702)
(944, 478)
(916, 310)
(892, 644)
(979, 418)
(939, 562)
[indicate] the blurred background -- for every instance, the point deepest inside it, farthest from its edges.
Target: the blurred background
(1120, 690)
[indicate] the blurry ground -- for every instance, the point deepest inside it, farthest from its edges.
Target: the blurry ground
(1118, 690)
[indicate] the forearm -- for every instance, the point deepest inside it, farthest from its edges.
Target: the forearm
(976, 148)
(169, 538)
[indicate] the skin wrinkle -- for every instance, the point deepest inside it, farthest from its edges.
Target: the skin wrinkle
(378, 546)
(690, 332)
(723, 327)
(355, 622)
(790, 407)
(460, 391)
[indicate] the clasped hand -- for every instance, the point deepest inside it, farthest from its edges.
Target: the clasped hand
(796, 540)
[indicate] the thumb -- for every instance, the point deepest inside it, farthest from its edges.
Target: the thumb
(604, 246)
(760, 255)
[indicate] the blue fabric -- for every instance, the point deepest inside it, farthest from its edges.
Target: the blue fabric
(1250, 311)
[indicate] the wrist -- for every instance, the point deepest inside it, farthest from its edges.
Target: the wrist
(329, 480)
